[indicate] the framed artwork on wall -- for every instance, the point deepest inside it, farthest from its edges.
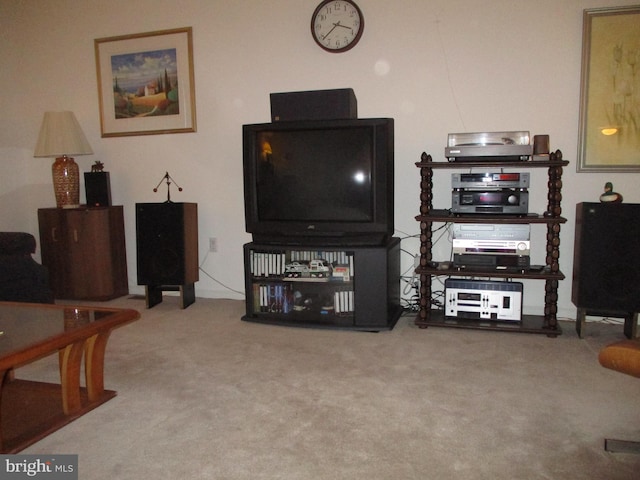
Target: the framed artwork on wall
(609, 133)
(146, 84)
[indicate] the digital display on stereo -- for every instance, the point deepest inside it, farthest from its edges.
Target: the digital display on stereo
(506, 176)
(490, 198)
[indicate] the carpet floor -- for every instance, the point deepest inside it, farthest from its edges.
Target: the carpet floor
(204, 395)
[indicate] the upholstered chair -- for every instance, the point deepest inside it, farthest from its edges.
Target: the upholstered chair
(22, 279)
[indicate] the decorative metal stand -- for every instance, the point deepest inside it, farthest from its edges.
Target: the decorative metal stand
(167, 178)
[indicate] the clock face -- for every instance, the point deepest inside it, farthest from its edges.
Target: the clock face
(337, 25)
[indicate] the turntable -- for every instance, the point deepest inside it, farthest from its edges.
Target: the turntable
(489, 146)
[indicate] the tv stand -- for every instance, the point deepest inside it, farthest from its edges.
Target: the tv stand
(350, 287)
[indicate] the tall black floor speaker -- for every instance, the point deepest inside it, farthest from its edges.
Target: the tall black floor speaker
(167, 249)
(606, 263)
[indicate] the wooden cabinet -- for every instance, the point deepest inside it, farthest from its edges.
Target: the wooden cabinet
(84, 250)
(546, 322)
(346, 287)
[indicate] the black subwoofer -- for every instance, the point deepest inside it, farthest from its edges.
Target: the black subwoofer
(606, 262)
(167, 244)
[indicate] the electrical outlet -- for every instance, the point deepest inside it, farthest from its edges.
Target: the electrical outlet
(213, 244)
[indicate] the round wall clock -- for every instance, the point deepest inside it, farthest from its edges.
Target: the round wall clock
(337, 25)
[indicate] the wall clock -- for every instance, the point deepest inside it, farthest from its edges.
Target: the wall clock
(337, 25)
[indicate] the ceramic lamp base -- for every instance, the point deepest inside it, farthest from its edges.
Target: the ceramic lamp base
(66, 182)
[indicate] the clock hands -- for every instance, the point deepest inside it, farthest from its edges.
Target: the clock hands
(343, 26)
(336, 25)
(329, 32)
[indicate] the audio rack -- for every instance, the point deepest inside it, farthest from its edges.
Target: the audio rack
(542, 323)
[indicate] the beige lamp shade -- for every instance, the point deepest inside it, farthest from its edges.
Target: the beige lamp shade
(61, 136)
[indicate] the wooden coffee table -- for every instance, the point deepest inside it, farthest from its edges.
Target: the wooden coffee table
(31, 410)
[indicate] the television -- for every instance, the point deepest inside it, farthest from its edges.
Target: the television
(319, 181)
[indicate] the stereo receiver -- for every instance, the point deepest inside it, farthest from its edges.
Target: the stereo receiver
(502, 201)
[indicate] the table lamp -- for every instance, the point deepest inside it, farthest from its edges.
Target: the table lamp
(61, 136)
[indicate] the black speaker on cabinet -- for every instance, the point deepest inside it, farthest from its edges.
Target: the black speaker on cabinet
(606, 262)
(167, 249)
(97, 187)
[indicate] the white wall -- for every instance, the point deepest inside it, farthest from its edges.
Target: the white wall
(436, 67)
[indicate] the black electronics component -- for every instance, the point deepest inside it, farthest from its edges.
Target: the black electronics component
(501, 201)
(314, 105)
(485, 180)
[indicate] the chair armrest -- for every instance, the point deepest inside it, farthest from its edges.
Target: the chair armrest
(622, 356)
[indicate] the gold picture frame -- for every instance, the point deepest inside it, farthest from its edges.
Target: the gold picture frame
(146, 84)
(609, 132)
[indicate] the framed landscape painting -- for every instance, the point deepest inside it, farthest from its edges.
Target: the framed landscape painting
(609, 134)
(145, 83)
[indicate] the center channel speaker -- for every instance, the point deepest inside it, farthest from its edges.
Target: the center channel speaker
(606, 263)
(167, 243)
(334, 104)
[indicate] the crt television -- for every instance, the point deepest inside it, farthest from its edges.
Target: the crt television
(319, 181)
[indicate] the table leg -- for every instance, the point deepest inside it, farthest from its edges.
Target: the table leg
(3, 377)
(631, 325)
(94, 365)
(581, 320)
(70, 359)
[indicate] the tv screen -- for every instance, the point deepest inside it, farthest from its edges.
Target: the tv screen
(330, 178)
(332, 166)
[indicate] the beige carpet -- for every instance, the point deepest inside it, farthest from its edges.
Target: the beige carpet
(204, 395)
